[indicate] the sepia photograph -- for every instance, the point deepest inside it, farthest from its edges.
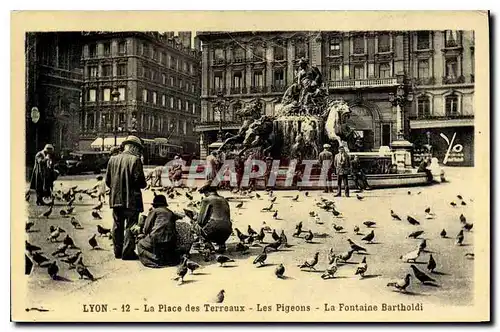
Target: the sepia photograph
(297, 172)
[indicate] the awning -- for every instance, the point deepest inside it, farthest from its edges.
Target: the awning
(108, 142)
(215, 144)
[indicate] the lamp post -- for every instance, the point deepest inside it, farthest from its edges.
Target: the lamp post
(103, 127)
(399, 100)
(115, 96)
(220, 106)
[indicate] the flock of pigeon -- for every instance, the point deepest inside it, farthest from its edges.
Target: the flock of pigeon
(253, 238)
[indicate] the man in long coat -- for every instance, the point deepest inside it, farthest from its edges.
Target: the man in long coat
(43, 176)
(326, 161)
(342, 166)
(125, 178)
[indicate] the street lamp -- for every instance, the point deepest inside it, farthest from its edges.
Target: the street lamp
(220, 106)
(103, 127)
(115, 96)
(398, 100)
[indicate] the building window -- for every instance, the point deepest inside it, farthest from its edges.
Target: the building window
(187, 106)
(300, 50)
(164, 79)
(258, 79)
(92, 95)
(162, 58)
(177, 64)
(423, 40)
(384, 70)
(335, 73)
(219, 55)
(185, 66)
(191, 68)
(93, 71)
(358, 45)
(179, 104)
(359, 72)
(145, 50)
(423, 68)
(154, 97)
(279, 77)
(279, 52)
(218, 84)
(106, 94)
(334, 46)
(121, 90)
(163, 100)
(386, 134)
(155, 54)
(171, 102)
(93, 50)
(170, 62)
(237, 80)
(259, 54)
(194, 108)
(106, 70)
(181, 83)
(239, 54)
(122, 69)
(423, 107)
(192, 88)
(107, 49)
(451, 68)
(171, 81)
(451, 38)
(145, 95)
(384, 43)
(451, 105)
(90, 121)
(122, 47)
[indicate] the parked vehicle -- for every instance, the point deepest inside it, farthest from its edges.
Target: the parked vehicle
(83, 162)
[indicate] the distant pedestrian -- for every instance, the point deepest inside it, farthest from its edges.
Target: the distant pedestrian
(44, 175)
(125, 178)
(342, 166)
(424, 168)
(326, 160)
(212, 165)
(359, 175)
(100, 187)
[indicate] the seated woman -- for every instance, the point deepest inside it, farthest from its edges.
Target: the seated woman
(163, 240)
(424, 168)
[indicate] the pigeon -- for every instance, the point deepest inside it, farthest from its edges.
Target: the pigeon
(260, 236)
(412, 221)
(369, 238)
(306, 194)
(460, 197)
(283, 239)
(55, 234)
(421, 276)
(84, 272)
(29, 224)
(269, 208)
(47, 213)
(331, 270)
(257, 195)
(266, 228)
(275, 245)
(52, 228)
(96, 215)
(411, 256)
(103, 231)
(275, 214)
(275, 235)
(63, 212)
(469, 255)
(75, 223)
(369, 223)
(345, 256)
(190, 197)
(273, 199)
(69, 241)
(31, 248)
(453, 204)
(98, 207)
(463, 203)
(401, 284)
(71, 260)
(261, 258)
(221, 259)
(93, 242)
(241, 236)
(239, 205)
(241, 247)
(251, 231)
(415, 234)
(220, 296)
(355, 247)
(39, 258)
(429, 216)
(443, 233)
(296, 198)
(463, 220)
(359, 197)
(312, 214)
(431, 265)
(182, 270)
(356, 229)
(309, 236)
(467, 226)
(52, 270)
(460, 237)
(409, 192)
(310, 264)
(337, 228)
(395, 216)
(362, 268)
(335, 212)
(280, 271)
(422, 245)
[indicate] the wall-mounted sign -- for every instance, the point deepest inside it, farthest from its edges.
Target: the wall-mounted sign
(454, 152)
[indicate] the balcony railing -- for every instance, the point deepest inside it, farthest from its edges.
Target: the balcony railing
(425, 81)
(363, 83)
(239, 60)
(441, 117)
(453, 80)
(63, 73)
(219, 61)
(278, 88)
(237, 91)
(216, 91)
(258, 89)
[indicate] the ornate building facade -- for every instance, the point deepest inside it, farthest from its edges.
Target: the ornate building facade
(142, 82)
(379, 73)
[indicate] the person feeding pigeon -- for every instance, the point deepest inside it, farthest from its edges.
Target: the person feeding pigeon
(161, 242)
(214, 220)
(125, 178)
(44, 175)
(326, 161)
(342, 166)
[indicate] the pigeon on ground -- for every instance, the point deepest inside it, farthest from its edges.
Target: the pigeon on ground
(98, 207)
(269, 208)
(266, 227)
(345, 256)
(55, 234)
(468, 226)
(69, 241)
(421, 276)
(411, 256)
(84, 272)
(241, 247)
(429, 216)
(337, 228)
(415, 234)
(395, 216)
(331, 270)
(71, 260)
(241, 236)
(52, 228)
(221, 259)
(275, 235)
(220, 296)
(261, 258)
(422, 245)
(273, 199)
(63, 212)
(275, 214)
(190, 197)
(29, 224)
(359, 197)
(47, 213)
(182, 270)
(443, 233)
(296, 198)
(412, 221)
(463, 203)
(103, 231)
(75, 223)
(52, 270)
(460, 237)
(460, 197)
(283, 239)
(401, 284)
(369, 238)
(280, 271)
(39, 258)
(362, 268)
(93, 242)
(369, 223)
(257, 195)
(275, 245)
(427, 210)
(469, 255)
(310, 264)
(31, 248)
(251, 231)
(453, 204)
(431, 265)
(239, 205)
(335, 212)
(306, 194)
(191, 265)
(356, 229)
(463, 220)
(309, 236)
(355, 247)
(96, 215)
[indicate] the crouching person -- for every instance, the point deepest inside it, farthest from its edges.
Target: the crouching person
(214, 220)
(163, 240)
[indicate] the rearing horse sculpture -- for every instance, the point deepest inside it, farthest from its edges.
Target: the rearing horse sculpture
(335, 128)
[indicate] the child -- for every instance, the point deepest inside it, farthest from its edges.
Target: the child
(101, 189)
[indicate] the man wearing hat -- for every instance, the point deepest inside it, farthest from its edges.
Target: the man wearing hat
(342, 165)
(326, 162)
(44, 175)
(125, 178)
(158, 245)
(214, 219)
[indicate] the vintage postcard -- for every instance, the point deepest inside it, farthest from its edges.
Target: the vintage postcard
(250, 166)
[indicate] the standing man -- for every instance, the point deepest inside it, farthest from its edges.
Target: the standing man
(326, 161)
(359, 175)
(342, 168)
(214, 219)
(212, 165)
(44, 175)
(125, 178)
